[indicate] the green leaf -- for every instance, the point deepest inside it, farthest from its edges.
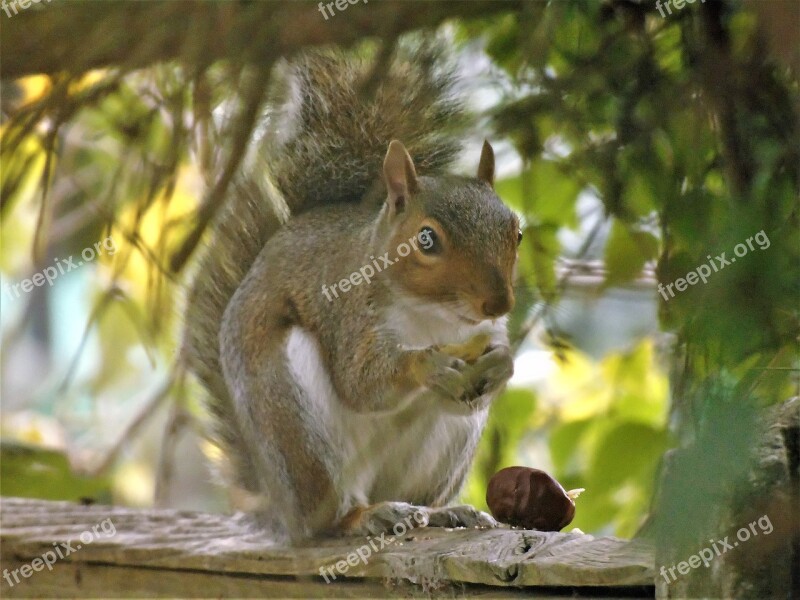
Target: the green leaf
(627, 251)
(550, 197)
(564, 443)
(34, 472)
(626, 452)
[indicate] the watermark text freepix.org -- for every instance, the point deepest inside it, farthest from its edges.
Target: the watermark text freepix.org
(23, 4)
(340, 6)
(679, 4)
(374, 545)
(367, 272)
(720, 547)
(49, 274)
(104, 529)
(703, 272)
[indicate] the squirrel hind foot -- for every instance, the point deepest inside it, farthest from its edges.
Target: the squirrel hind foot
(398, 518)
(462, 515)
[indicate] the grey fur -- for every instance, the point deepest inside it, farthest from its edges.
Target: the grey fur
(331, 154)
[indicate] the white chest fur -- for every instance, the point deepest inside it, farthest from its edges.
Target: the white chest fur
(391, 456)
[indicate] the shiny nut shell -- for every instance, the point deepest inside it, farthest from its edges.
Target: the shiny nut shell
(529, 498)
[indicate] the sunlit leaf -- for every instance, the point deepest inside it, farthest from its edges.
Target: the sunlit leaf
(627, 251)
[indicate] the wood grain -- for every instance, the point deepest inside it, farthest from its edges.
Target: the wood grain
(174, 553)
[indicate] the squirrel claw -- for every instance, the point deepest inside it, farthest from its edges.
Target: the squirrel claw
(460, 516)
(384, 517)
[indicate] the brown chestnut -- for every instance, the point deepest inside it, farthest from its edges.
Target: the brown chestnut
(530, 498)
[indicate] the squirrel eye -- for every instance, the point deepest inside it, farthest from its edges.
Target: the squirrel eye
(519, 237)
(429, 241)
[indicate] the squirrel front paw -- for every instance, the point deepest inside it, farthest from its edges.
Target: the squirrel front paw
(444, 374)
(466, 380)
(491, 371)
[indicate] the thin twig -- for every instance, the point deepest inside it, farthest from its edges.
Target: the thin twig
(148, 410)
(253, 97)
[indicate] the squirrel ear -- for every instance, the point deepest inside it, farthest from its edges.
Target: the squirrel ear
(486, 166)
(400, 175)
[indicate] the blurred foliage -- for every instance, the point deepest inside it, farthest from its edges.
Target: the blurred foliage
(604, 424)
(35, 472)
(687, 130)
(684, 128)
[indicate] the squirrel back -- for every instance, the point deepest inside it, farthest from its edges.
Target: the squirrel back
(324, 142)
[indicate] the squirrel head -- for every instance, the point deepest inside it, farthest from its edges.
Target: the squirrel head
(452, 239)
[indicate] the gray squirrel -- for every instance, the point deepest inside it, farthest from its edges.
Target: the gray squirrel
(348, 411)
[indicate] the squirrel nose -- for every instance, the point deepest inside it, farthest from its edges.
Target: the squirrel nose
(498, 305)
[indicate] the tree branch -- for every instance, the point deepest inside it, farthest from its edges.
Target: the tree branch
(81, 35)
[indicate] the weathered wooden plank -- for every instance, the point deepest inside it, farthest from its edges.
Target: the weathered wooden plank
(163, 553)
(88, 580)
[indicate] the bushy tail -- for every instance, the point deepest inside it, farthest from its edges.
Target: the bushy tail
(325, 136)
(249, 220)
(331, 135)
